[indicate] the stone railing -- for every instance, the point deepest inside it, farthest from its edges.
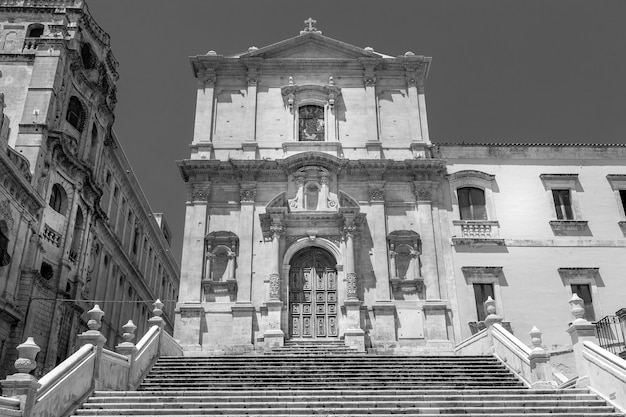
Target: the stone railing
(467, 232)
(606, 373)
(530, 365)
(597, 369)
(90, 368)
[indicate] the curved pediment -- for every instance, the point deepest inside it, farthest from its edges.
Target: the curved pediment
(300, 160)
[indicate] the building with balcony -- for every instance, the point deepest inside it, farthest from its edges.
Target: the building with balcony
(319, 209)
(75, 227)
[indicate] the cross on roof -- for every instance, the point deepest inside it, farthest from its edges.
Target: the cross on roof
(310, 22)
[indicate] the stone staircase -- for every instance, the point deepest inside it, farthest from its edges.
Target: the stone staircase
(302, 379)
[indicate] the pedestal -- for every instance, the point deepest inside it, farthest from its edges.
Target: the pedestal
(187, 327)
(22, 387)
(540, 371)
(354, 336)
(242, 327)
(435, 321)
(385, 333)
(274, 337)
(580, 331)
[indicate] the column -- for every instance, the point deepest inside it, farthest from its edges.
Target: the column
(247, 195)
(415, 130)
(243, 310)
(423, 194)
(203, 126)
(274, 336)
(189, 311)
(421, 101)
(378, 229)
(369, 79)
(354, 336)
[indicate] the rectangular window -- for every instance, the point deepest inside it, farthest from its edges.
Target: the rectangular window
(584, 292)
(481, 293)
(563, 204)
(472, 203)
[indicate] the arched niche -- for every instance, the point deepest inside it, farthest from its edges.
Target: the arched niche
(405, 249)
(219, 283)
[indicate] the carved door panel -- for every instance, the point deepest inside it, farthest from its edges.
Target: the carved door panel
(313, 300)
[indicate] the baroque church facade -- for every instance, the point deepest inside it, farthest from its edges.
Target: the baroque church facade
(319, 209)
(75, 227)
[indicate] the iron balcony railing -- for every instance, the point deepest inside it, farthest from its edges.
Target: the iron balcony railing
(611, 331)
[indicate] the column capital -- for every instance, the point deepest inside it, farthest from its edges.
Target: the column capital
(424, 190)
(199, 192)
(376, 191)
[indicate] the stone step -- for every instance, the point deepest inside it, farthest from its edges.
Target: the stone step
(332, 376)
(395, 413)
(494, 394)
(572, 411)
(188, 402)
(289, 385)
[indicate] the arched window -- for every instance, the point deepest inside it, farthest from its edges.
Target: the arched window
(311, 123)
(79, 226)
(58, 199)
(93, 149)
(87, 56)
(34, 31)
(472, 203)
(76, 114)
(5, 259)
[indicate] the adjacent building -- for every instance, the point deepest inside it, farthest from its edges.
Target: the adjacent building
(319, 209)
(75, 227)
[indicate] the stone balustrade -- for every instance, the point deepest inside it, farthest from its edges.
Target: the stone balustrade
(91, 367)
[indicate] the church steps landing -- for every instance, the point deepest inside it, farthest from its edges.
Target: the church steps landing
(330, 383)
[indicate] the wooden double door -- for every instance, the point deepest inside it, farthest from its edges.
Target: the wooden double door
(313, 295)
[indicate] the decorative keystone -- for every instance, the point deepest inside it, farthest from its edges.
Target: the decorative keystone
(27, 352)
(535, 339)
(577, 306)
(94, 317)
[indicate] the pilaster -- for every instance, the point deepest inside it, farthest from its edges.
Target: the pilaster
(378, 229)
(424, 200)
(247, 195)
(203, 125)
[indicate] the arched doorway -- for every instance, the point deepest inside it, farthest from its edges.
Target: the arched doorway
(313, 295)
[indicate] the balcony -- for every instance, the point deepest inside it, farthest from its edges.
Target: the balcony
(476, 232)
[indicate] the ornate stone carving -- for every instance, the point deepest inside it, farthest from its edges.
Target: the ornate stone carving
(247, 195)
(376, 194)
(351, 286)
(276, 230)
(350, 230)
(274, 286)
(208, 78)
(200, 192)
(5, 214)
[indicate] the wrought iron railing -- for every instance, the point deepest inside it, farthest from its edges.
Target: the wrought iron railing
(610, 331)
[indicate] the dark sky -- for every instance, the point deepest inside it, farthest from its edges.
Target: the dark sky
(502, 71)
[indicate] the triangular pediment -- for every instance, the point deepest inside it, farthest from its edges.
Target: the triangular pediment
(311, 46)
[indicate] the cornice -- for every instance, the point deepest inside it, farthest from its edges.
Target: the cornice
(193, 170)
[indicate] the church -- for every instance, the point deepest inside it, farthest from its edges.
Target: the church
(319, 209)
